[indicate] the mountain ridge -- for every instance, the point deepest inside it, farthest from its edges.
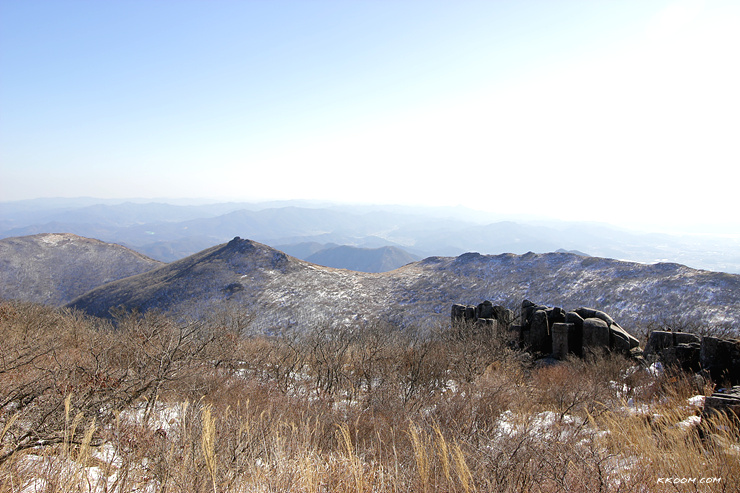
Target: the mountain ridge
(54, 268)
(282, 291)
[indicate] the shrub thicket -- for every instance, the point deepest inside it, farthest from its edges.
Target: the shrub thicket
(150, 403)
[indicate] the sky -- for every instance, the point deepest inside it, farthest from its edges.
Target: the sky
(616, 111)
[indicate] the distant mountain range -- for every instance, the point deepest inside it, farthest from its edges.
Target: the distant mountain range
(380, 259)
(169, 232)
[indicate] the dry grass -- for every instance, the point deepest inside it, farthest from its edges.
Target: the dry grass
(157, 406)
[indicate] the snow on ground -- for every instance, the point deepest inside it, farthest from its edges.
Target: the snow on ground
(697, 401)
(47, 471)
(99, 472)
(547, 425)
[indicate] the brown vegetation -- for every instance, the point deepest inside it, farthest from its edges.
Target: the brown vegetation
(150, 403)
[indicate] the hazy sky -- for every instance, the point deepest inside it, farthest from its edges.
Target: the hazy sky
(599, 110)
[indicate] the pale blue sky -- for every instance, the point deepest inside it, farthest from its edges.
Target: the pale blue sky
(617, 111)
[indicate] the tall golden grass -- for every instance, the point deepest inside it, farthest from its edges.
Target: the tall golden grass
(253, 414)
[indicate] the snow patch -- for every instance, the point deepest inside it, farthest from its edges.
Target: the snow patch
(696, 401)
(543, 425)
(690, 422)
(53, 238)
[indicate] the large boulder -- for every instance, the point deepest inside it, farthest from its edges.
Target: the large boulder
(675, 349)
(593, 313)
(541, 338)
(462, 313)
(595, 335)
(503, 316)
(560, 337)
(661, 339)
(555, 315)
(725, 401)
(658, 341)
(457, 313)
(621, 340)
(575, 336)
(721, 358)
(528, 309)
(685, 356)
(484, 310)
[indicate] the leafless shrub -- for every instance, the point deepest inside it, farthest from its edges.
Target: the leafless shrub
(156, 404)
(678, 323)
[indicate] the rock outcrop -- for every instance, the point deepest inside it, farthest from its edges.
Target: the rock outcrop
(723, 401)
(545, 330)
(484, 313)
(716, 357)
(552, 330)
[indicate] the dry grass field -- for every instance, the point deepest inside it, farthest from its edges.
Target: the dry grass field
(149, 404)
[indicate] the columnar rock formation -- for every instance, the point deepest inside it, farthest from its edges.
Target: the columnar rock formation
(549, 330)
(485, 312)
(552, 331)
(716, 357)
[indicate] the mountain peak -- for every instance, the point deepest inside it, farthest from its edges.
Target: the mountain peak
(54, 268)
(240, 245)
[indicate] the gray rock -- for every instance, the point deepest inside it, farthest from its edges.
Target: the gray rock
(575, 336)
(560, 336)
(595, 335)
(721, 358)
(528, 309)
(592, 313)
(723, 401)
(503, 315)
(688, 356)
(516, 334)
(484, 310)
(457, 313)
(685, 338)
(527, 303)
(660, 340)
(555, 315)
(540, 333)
(621, 340)
(618, 342)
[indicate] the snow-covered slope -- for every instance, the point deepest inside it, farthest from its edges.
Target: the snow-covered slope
(279, 290)
(56, 268)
